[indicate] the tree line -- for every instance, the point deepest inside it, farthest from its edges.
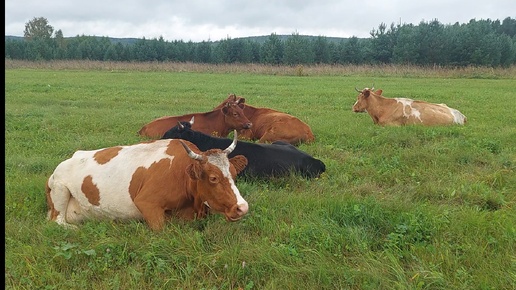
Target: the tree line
(488, 42)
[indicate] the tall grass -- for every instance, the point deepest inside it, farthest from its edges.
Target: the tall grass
(398, 208)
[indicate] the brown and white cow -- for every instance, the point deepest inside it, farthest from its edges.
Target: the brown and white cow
(402, 111)
(153, 181)
(219, 122)
(270, 125)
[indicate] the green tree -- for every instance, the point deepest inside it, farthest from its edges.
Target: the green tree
(383, 42)
(203, 52)
(38, 28)
(297, 50)
(111, 53)
(508, 27)
(15, 49)
(272, 50)
(60, 45)
(255, 49)
(407, 49)
(233, 51)
(321, 50)
(507, 50)
(430, 40)
(351, 51)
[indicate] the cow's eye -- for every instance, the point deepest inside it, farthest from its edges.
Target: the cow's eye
(214, 179)
(235, 114)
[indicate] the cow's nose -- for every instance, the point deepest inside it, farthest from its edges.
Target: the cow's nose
(242, 209)
(248, 125)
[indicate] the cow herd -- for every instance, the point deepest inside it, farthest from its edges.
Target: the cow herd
(189, 168)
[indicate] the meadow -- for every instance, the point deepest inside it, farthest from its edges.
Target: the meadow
(398, 207)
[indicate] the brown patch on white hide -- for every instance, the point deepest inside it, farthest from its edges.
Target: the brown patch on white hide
(105, 155)
(90, 190)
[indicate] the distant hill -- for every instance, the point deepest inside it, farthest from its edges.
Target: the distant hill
(263, 38)
(112, 39)
(259, 39)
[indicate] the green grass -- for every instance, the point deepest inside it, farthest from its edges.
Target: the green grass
(398, 208)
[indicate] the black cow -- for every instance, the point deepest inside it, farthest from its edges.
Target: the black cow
(263, 160)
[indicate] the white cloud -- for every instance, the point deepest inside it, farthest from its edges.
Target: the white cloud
(198, 20)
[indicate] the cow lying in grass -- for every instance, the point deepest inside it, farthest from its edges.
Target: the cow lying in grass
(270, 125)
(220, 122)
(264, 160)
(150, 181)
(403, 111)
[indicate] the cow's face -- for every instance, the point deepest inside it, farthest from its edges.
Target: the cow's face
(360, 105)
(216, 186)
(214, 175)
(234, 116)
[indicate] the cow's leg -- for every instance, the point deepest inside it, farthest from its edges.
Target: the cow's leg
(187, 213)
(59, 197)
(200, 209)
(270, 137)
(153, 215)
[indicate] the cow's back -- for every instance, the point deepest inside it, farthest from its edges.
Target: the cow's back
(271, 125)
(158, 127)
(430, 114)
(291, 159)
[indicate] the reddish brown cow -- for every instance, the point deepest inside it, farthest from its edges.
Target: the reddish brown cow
(149, 181)
(270, 125)
(403, 111)
(219, 122)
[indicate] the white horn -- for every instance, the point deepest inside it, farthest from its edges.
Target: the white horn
(191, 121)
(192, 154)
(233, 145)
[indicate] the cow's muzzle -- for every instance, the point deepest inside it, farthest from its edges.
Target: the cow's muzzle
(237, 212)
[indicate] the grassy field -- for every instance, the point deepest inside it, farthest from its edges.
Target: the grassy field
(398, 208)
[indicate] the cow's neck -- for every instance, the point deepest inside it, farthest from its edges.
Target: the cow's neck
(376, 105)
(193, 197)
(218, 123)
(249, 111)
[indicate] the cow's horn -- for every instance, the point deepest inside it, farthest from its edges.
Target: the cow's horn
(180, 125)
(192, 120)
(192, 154)
(233, 145)
(358, 90)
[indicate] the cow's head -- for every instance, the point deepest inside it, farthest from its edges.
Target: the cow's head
(234, 116)
(231, 98)
(214, 177)
(183, 130)
(363, 97)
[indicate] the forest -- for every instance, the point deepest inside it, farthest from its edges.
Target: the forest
(488, 43)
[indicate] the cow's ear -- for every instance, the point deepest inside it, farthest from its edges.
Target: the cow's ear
(241, 103)
(378, 92)
(239, 162)
(194, 170)
(225, 108)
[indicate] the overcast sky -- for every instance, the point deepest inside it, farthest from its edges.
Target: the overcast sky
(199, 20)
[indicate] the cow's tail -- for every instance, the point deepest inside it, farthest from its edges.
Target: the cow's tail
(49, 200)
